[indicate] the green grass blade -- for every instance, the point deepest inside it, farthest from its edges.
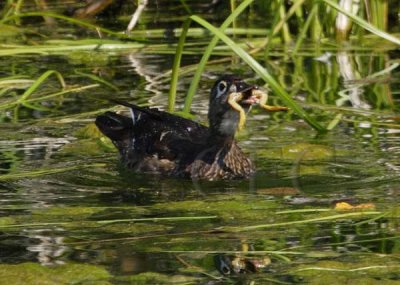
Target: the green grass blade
(67, 46)
(334, 122)
(67, 19)
(176, 65)
(159, 219)
(364, 24)
(46, 171)
(303, 32)
(207, 53)
(279, 23)
(262, 72)
(10, 104)
(98, 79)
(186, 6)
(39, 82)
(105, 222)
(35, 107)
(303, 222)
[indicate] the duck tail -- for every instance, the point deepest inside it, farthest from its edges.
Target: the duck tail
(153, 112)
(114, 126)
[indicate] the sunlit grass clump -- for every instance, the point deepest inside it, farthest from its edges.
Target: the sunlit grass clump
(295, 26)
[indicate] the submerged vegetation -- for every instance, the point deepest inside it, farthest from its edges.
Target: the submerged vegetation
(325, 199)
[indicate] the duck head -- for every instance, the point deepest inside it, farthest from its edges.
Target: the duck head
(223, 117)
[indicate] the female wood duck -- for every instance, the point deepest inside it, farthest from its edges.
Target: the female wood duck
(158, 142)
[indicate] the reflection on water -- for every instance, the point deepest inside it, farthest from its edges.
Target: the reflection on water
(96, 213)
(65, 215)
(49, 248)
(351, 92)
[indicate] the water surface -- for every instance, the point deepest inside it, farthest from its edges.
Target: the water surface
(71, 214)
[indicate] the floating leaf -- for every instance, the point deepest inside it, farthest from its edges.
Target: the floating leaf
(278, 191)
(344, 206)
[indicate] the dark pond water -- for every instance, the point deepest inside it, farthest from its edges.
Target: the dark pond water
(69, 214)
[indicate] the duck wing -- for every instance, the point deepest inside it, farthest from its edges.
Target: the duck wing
(152, 140)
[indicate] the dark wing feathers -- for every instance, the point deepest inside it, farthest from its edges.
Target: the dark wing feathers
(149, 132)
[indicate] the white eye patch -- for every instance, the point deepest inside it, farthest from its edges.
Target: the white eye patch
(221, 88)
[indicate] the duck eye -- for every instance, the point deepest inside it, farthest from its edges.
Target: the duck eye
(222, 86)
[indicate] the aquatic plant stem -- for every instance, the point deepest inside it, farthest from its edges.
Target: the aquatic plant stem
(262, 72)
(106, 222)
(200, 68)
(135, 17)
(285, 29)
(328, 218)
(303, 32)
(372, 267)
(176, 65)
(36, 84)
(46, 97)
(41, 172)
(278, 24)
(98, 79)
(364, 24)
(67, 19)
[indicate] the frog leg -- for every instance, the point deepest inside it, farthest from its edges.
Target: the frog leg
(263, 97)
(233, 102)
